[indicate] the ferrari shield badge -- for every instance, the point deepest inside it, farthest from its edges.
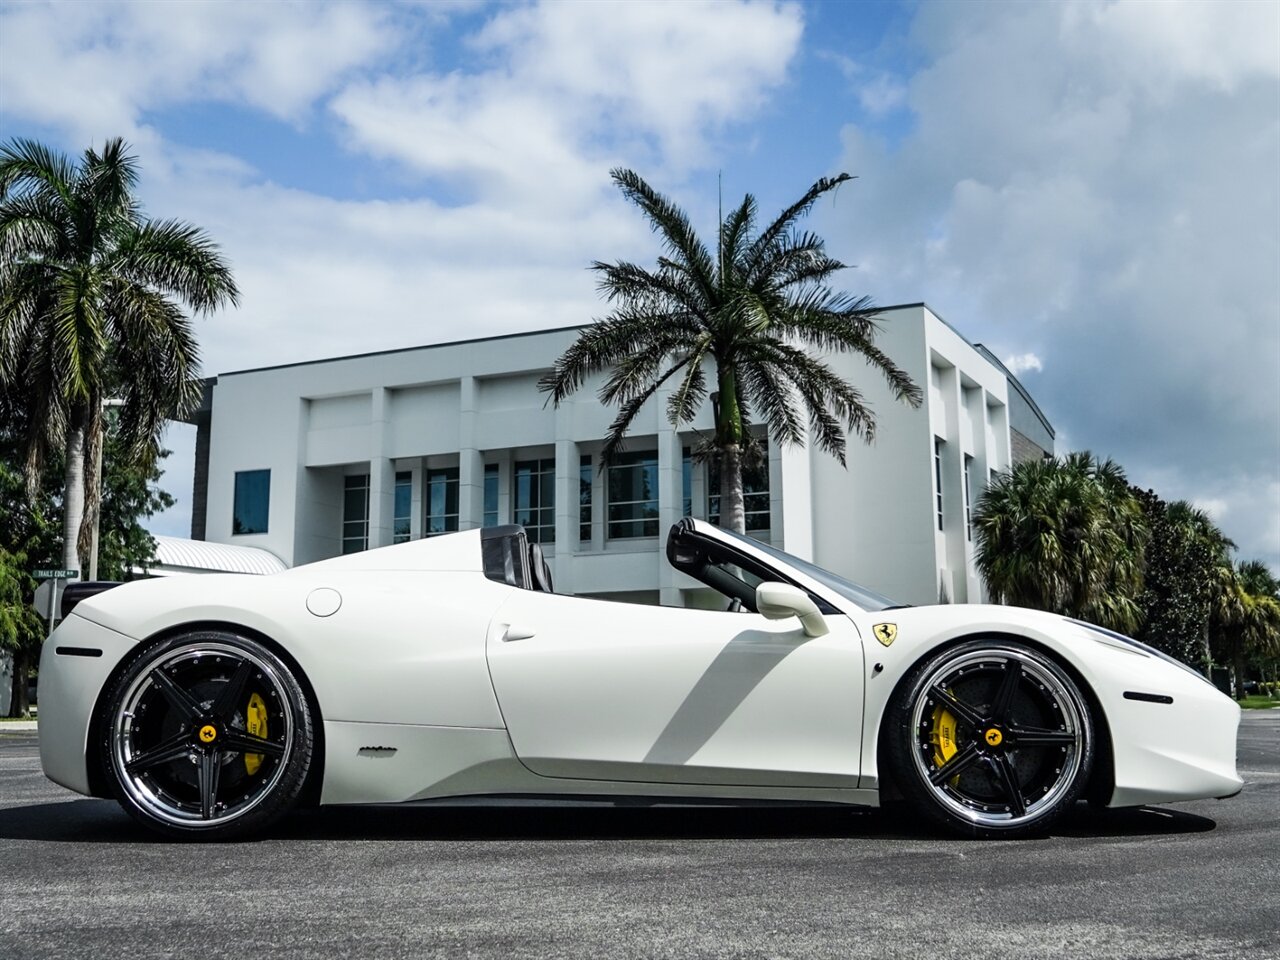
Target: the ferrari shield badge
(886, 633)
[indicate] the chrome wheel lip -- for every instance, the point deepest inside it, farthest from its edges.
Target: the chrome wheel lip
(1073, 717)
(141, 793)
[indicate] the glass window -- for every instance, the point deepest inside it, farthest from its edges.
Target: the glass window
(355, 513)
(404, 507)
(584, 498)
(535, 499)
(937, 477)
(686, 483)
(442, 501)
(490, 495)
(252, 501)
(968, 501)
(755, 495)
(633, 495)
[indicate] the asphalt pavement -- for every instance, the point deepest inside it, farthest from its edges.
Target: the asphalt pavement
(1193, 880)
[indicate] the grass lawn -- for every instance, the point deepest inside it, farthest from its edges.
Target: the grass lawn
(1258, 702)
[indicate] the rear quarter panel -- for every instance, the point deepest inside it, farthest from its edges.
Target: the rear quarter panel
(404, 646)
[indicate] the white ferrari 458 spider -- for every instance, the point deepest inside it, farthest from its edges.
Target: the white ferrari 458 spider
(208, 706)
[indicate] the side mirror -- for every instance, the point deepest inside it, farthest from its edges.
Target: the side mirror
(777, 601)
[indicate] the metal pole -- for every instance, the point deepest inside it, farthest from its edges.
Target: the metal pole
(97, 513)
(109, 403)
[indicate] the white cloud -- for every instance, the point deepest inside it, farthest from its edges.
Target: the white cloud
(1097, 182)
(117, 60)
(1215, 507)
(1021, 363)
(563, 91)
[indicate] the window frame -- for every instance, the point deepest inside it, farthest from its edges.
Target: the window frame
(403, 484)
(542, 483)
(648, 525)
(360, 523)
(938, 444)
(450, 479)
(248, 476)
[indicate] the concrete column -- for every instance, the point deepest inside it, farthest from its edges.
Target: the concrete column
(791, 499)
(470, 459)
(599, 504)
(670, 506)
(505, 484)
(200, 480)
(566, 500)
(382, 473)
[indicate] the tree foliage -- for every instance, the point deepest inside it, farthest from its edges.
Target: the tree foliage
(748, 322)
(1183, 557)
(1064, 535)
(92, 298)
(29, 532)
(1245, 617)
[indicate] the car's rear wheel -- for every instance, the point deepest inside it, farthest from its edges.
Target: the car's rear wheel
(206, 736)
(990, 739)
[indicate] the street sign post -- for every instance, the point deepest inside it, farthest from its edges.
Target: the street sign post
(48, 598)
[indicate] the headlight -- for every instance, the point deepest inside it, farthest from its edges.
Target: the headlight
(1130, 642)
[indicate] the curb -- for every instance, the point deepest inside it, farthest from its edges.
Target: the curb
(19, 726)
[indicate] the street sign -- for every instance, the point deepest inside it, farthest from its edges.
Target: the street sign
(48, 598)
(55, 574)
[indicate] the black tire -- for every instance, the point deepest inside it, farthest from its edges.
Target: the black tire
(990, 739)
(180, 729)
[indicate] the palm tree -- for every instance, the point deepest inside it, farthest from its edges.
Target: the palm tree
(1246, 617)
(91, 297)
(1064, 535)
(752, 315)
(1180, 569)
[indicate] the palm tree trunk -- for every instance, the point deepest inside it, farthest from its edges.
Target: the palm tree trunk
(1237, 667)
(729, 439)
(732, 513)
(19, 705)
(73, 499)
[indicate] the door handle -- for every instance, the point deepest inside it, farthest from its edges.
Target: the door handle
(516, 633)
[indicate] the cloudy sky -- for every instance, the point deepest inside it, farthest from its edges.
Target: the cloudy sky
(1092, 189)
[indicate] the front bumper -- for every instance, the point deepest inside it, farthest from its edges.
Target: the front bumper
(1168, 752)
(71, 683)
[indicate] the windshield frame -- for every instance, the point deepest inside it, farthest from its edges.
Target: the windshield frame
(830, 591)
(864, 598)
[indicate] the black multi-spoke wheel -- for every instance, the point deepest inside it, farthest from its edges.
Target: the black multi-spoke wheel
(206, 736)
(990, 739)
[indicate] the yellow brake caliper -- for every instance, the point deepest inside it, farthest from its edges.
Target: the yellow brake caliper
(943, 736)
(255, 724)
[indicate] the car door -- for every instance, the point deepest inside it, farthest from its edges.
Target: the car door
(611, 691)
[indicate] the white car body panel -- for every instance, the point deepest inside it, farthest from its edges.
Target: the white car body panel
(420, 697)
(665, 694)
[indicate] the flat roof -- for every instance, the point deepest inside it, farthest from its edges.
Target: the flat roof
(457, 343)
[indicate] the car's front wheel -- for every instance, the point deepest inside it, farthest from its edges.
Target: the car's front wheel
(990, 739)
(206, 736)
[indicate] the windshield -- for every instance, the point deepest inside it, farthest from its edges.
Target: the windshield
(867, 599)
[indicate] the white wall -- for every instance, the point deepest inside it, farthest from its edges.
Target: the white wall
(476, 402)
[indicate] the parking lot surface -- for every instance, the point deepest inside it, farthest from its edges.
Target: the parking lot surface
(1194, 880)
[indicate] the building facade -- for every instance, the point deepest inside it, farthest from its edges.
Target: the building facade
(312, 460)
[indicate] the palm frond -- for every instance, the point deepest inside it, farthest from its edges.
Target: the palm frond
(26, 165)
(180, 259)
(671, 223)
(791, 214)
(774, 396)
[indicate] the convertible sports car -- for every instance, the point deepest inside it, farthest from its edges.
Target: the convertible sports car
(447, 667)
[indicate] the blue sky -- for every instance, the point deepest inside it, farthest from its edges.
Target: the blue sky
(1089, 188)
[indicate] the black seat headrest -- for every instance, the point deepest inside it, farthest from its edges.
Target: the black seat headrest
(540, 568)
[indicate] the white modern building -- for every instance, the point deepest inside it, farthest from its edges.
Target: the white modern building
(311, 460)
